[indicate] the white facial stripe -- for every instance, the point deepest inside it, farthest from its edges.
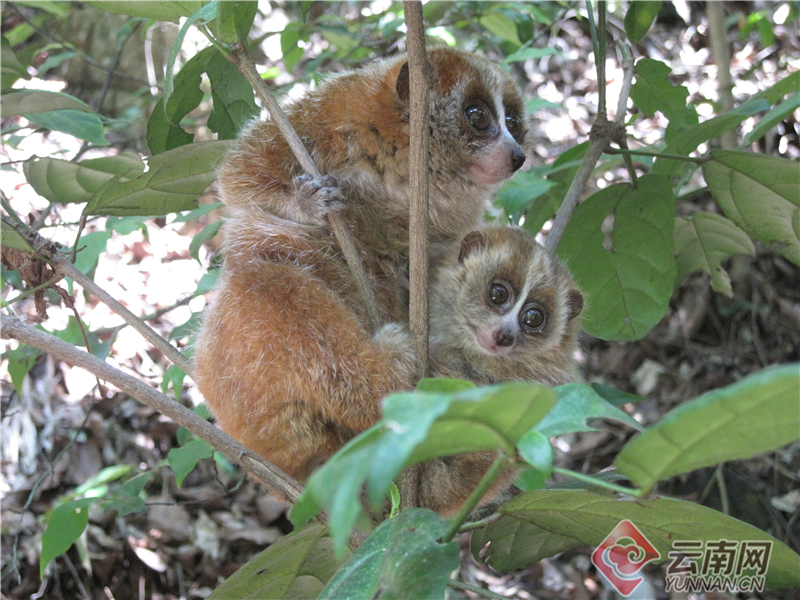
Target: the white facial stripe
(501, 112)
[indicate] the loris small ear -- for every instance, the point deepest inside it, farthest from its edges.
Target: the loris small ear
(402, 84)
(574, 304)
(474, 240)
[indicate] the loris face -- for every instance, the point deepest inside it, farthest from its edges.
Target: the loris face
(477, 118)
(513, 299)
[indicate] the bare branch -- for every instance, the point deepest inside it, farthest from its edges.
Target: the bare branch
(238, 453)
(241, 58)
(419, 75)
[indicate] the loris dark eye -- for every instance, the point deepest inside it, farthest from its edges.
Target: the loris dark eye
(498, 294)
(478, 116)
(532, 319)
(514, 126)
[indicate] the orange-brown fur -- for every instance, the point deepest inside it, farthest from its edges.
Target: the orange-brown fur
(284, 359)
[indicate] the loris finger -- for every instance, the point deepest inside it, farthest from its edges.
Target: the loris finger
(318, 197)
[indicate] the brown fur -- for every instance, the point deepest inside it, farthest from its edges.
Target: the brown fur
(284, 359)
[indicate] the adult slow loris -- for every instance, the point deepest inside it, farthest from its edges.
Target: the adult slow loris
(284, 359)
(502, 309)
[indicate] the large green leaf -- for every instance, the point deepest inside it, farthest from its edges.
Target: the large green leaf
(173, 182)
(653, 92)
(627, 271)
(577, 404)
(703, 241)
(65, 525)
(297, 566)
(184, 459)
(83, 125)
(163, 130)
(418, 426)
(761, 194)
(234, 20)
(65, 182)
(401, 559)
(160, 11)
(10, 68)
(560, 519)
(639, 18)
(11, 238)
(758, 414)
(234, 101)
(692, 137)
(30, 102)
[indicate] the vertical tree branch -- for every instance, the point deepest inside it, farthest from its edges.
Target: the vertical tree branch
(241, 58)
(721, 52)
(419, 73)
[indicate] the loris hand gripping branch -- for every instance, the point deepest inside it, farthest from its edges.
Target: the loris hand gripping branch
(284, 358)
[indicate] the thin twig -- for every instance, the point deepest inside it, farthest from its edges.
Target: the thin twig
(241, 58)
(453, 526)
(419, 73)
(235, 451)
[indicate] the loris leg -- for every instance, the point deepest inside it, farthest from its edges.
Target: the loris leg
(444, 484)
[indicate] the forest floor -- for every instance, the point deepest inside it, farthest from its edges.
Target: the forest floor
(58, 435)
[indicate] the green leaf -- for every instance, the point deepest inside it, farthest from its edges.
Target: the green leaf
(173, 182)
(201, 16)
(65, 182)
(628, 271)
(100, 479)
(173, 377)
(234, 20)
(126, 225)
(134, 486)
(554, 517)
(614, 396)
(160, 11)
(401, 559)
(536, 450)
(517, 195)
(20, 361)
(126, 506)
(234, 100)
(443, 385)
(65, 525)
(534, 53)
(297, 566)
(184, 459)
(10, 68)
(31, 102)
(91, 246)
(761, 194)
(653, 92)
(11, 238)
(772, 118)
(703, 241)
(639, 18)
(82, 125)
(577, 404)
(755, 415)
(514, 544)
(502, 26)
(162, 134)
(418, 426)
(208, 232)
(187, 328)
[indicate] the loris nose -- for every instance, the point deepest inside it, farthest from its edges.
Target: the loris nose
(504, 337)
(517, 158)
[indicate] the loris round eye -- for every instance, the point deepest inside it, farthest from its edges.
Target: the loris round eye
(478, 116)
(498, 293)
(532, 319)
(514, 126)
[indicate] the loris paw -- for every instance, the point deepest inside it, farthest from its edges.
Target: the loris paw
(318, 197)
(394, 341)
